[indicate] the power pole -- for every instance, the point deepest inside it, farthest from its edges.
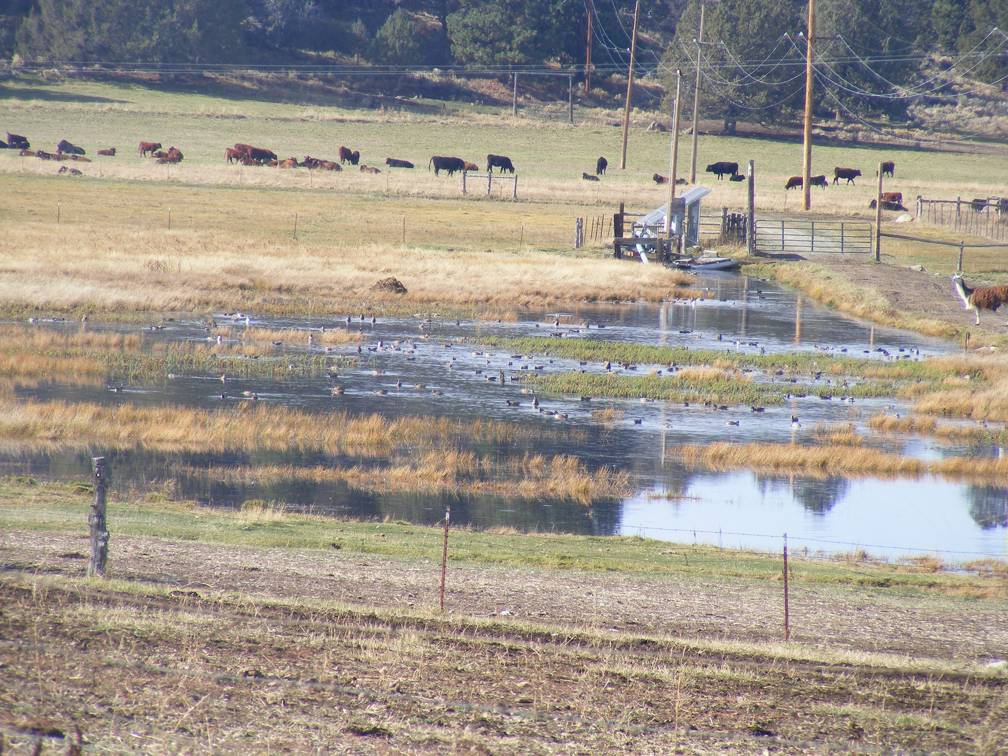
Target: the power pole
(570, 100)
(629, 86)
(696, 101)
(674, 156)
(878, 218)
(514, 97)
(588, 48)
(807, 154)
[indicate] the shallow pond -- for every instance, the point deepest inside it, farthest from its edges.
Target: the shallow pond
(425, 370)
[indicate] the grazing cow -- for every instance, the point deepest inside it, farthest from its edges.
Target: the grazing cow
(980, 298)
(232, 155)
(354, 157)
(17, 142)
(722, 168)
(148, 148)
(69, 148)
(289, 163)
(110, 152)
(600, 166)
(503, 162)
(345, 153)
(396, 163)
(659, 179)
(442, 163)
(793, 182)
(845, 173)
(470, 167)
(369, 169)
(978, 205)
(890, 201)
(589, 177)
(819, 181)
(888, 169)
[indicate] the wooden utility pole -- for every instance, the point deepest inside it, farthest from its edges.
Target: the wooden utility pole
(588, 48)
(570, 100)
(673, 157)
(807, 153)
(514, 97)
(878, 217)
(751, 211)
(629, 86)
(696, 100)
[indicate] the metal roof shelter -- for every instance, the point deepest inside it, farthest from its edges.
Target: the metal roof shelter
(685, 217)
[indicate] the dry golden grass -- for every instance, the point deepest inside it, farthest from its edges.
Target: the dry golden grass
(833, 460)
(531, 476)
(842, 434)
(608, 415)
(245, 425)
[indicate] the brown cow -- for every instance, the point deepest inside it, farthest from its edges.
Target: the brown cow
(289, 163)
(470, 166)
(793, 182)
(659, 179)
(345, 154)
(369, 169)
(43, 155)
(232, 155)
(159, 155)
(148, 148)
(110, 152)
(329, 165)
(890, 201)
(27, 153)
(243, 149)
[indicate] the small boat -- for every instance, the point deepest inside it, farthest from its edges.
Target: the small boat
(707, 263)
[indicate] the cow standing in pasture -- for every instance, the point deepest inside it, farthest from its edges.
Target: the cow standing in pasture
(845, 173)
(723, 168)
(600, 166)
(443, 163)
(501, 162)
(148, 148)
(888, 169)
(470, 167)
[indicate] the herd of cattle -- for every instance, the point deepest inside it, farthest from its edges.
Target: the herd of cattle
(247, 154)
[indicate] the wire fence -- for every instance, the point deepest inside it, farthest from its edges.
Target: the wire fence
(986, 217)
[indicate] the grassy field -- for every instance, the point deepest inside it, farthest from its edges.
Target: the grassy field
(549, 642)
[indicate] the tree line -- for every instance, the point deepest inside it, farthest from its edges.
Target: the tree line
(751, 59)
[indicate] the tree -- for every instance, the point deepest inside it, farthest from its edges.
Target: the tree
(748, 69)
(409, 39)
(133, 30)
(947, 19)
(515, 32)
(982, 16)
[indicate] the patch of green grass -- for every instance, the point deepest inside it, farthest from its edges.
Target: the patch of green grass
(27, 505)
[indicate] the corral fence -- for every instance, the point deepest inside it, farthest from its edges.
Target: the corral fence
(726, 228)
(476, 181)
(977, 216)
(961, 246)
(806, 237)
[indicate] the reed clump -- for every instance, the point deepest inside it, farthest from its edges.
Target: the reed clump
(242, 426)
(833, 460)
(290, 336)
(527, 477)
(837, 434)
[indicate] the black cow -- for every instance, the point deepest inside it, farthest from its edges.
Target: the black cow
(260, 155)
(68, 148)
(723, 168)
(396, 163)
(17, 142)
(736, 177)
(600, 166)
(888, 169)
(354, 157)
(978, 205)
(819, 181)
(499, 161)
(589, 177)
(659, 179)
(845, 173)
(3, 145)
(1002, 206)
(442, 163)
(344, 154)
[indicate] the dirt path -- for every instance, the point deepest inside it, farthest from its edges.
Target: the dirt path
(240, 655)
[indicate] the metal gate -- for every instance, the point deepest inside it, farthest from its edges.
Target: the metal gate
(808, 237)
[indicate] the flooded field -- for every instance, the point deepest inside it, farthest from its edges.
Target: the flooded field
(430, 367)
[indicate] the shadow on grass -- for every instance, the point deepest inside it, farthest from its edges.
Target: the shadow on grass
(52, 95)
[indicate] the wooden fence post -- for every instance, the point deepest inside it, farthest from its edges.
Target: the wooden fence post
(787, 607)
(962, 249)
(463, 182)
(97, 521)
(920, 203)
(489, 181)
(514, 187)
(878, 218)
(444, 555)
(751, 210)
(57, 213)
(169, 219)
(724, 225)
(295, 225)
